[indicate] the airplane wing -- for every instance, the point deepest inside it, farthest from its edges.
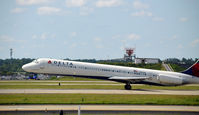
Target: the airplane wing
(128, 78)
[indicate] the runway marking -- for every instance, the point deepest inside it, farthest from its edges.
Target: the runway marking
(99, 107)
(100, 91)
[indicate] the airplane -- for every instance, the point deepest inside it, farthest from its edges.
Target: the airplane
(127, 75)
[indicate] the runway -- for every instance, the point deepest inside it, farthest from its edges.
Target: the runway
(167, 67)
(98, 91)
(48, 82)
(98, 108)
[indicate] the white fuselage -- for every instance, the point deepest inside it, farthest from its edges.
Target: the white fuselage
(102, 71)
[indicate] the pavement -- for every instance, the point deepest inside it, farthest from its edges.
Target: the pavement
(48, 82)
(98, 107)
(31, 108)
(167, 67)
(98, 91)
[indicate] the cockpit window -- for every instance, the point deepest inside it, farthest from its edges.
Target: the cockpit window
(35, 61)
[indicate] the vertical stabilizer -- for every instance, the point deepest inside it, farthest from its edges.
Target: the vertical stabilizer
(193, 70)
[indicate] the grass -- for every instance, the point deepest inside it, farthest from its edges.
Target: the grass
(95, 86)
(98, 99)
(60, 87)
(177, 68)
(55, 83)
(32, 84)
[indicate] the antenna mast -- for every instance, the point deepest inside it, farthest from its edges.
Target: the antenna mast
(11, 52)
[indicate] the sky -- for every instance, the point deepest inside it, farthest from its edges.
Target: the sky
(100, 29)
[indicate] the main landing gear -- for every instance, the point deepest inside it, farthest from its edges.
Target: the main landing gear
(127, 86)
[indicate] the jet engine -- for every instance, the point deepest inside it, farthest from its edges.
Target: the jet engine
(170, 80)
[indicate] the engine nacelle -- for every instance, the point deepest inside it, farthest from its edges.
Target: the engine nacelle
(170, 80)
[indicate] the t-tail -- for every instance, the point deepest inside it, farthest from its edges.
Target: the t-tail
(193, 70)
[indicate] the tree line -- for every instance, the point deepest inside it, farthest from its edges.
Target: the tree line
(11, 66)
(184, 63)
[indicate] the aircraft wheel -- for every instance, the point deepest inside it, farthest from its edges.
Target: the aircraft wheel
(127, 87)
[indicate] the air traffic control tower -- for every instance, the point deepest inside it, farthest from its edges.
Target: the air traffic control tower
(129, 54)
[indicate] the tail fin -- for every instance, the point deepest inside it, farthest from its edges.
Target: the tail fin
(193, 70)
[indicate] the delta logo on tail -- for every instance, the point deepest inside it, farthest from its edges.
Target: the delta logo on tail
(193, 70)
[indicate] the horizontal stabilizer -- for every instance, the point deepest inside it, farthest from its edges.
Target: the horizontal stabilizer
(128, 78)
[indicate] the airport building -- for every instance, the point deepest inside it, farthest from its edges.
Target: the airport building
(147, 60)
(130, 56)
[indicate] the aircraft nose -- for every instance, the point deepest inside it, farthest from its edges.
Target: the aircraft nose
(30, 67)
(27, 67)
(24, 67)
